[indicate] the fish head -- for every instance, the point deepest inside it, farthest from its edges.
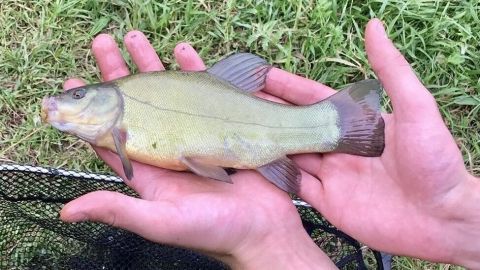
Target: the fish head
(88, 112)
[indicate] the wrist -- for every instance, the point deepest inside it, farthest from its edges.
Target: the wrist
(282, 251)
(463, 229)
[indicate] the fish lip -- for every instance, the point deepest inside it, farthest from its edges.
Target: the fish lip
(49, 105)
(62, 125)
(49, 114)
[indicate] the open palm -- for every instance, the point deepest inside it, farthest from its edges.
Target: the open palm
(398, 202)
(235, 223)
(388, 201)
(401, 201)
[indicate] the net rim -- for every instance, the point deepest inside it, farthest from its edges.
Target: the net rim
(89, 176)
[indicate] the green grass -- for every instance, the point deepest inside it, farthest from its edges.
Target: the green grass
(45, 41)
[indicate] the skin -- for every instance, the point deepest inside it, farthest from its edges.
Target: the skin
(417, 199)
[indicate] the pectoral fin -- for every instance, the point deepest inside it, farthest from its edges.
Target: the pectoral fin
(283, 173)
(209, 171)
(120, 140)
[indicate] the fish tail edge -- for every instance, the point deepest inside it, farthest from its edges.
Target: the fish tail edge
(362, 128)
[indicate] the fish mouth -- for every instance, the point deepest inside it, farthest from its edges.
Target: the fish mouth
(50, 114)
(49, 106)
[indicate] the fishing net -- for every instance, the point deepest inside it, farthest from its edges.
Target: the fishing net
(33, 237)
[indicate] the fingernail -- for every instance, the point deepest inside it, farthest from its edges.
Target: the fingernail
(380, 29)
(77, 217)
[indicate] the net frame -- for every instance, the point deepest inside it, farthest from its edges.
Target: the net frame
(325, 235)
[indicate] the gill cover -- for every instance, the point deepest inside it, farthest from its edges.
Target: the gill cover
(88, 112)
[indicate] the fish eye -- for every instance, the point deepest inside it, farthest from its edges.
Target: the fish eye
(78, 93)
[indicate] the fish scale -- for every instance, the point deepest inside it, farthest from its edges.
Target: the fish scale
(207, 121)
(195, 114)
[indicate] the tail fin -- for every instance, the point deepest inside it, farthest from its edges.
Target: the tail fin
(361, 124)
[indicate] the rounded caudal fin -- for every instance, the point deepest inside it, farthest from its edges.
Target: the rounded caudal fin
(360, 120)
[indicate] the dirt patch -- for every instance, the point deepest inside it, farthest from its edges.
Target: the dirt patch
(13, 118)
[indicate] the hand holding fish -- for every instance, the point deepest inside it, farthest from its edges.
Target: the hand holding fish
(417, 199)
(238, 224)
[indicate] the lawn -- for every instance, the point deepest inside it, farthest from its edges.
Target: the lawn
(43, 42)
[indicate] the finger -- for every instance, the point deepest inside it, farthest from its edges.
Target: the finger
(146, 178)
(142, 52)
(109, 59)
(73, 83)
(410, 99)
(272, 98)
(310, 163)
(152, 220)
(295, 89)
(311, 189)
(188, 58)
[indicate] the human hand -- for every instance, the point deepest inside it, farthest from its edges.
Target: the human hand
(417, 199)
(249, 225)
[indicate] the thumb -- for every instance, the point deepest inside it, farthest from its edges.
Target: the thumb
(150, 219)
(410, 99)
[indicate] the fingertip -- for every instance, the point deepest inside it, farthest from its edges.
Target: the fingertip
(376, 25)
(73, 83)
(103, 42)
(375, 34)
(188, 58)
(136, 40)
(109, 58)
(311, 189)
(71, 213)
(72, 217)
(134, 35)
(89, 207)
(378, 45)
(142, 52)
(411, 100)
(181, 47)
(108, 207)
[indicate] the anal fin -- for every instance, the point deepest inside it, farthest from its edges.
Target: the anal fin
(283, 173)
(205, 170)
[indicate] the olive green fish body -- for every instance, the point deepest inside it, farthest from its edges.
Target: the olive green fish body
(172, 114)
(207, 121)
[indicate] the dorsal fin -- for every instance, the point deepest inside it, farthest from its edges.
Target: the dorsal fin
(245, 71)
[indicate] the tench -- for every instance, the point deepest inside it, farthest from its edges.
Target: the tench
(207, 121)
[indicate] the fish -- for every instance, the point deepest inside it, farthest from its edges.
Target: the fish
(208, 121)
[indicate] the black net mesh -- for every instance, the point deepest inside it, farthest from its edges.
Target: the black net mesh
(33, 237)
